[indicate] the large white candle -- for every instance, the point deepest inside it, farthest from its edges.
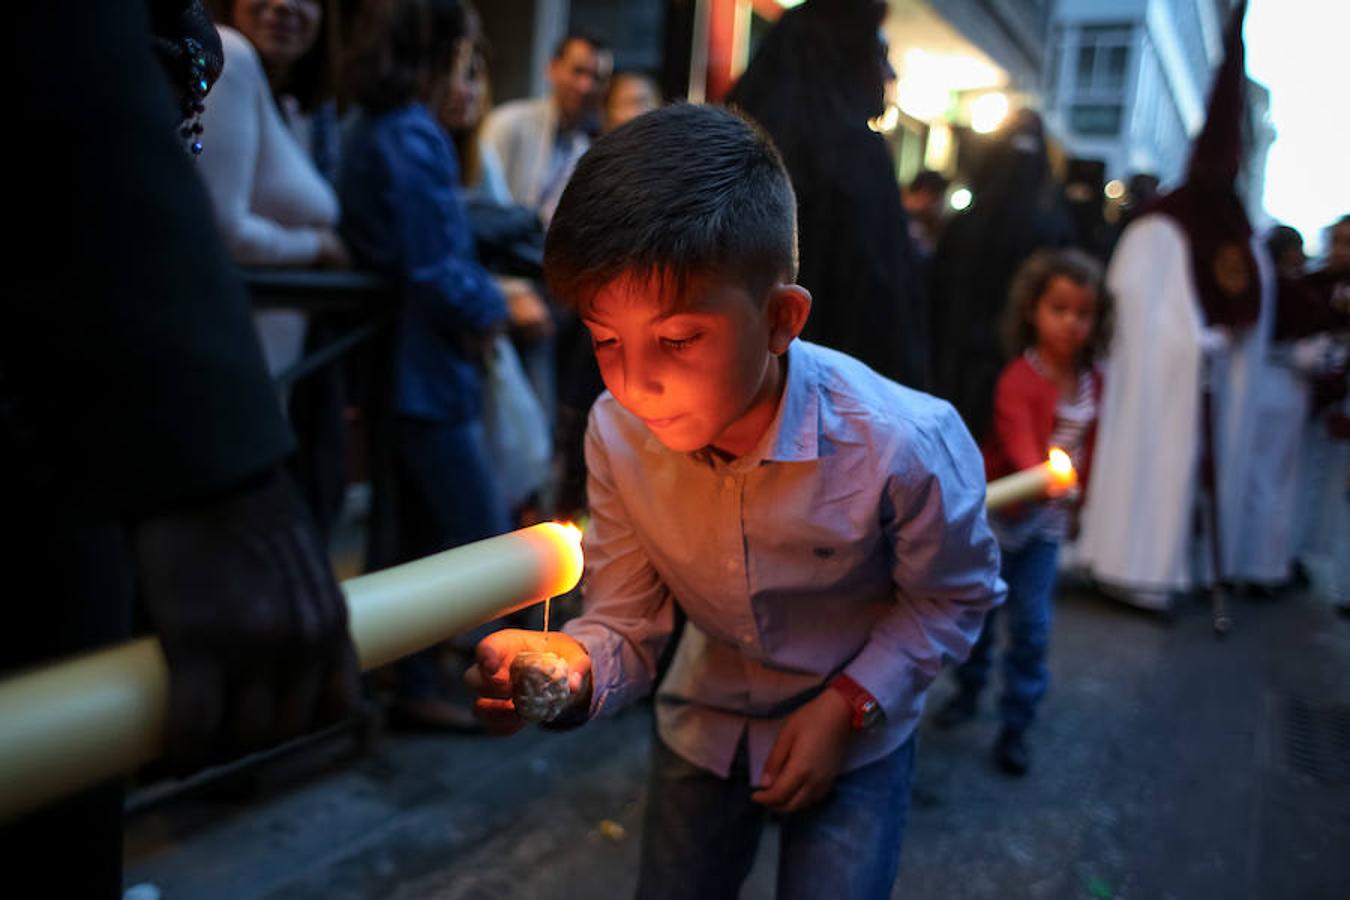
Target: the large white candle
(1051, 478)
(69, 726)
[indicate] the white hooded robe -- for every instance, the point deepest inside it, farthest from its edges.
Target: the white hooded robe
(1138, 534)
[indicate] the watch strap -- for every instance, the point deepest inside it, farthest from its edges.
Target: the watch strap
(866, 709)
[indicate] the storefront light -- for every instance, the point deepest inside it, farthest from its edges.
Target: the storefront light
(988, 111)
(937, 153)
(953, 71)
(961, 198)
(929, 80)
(923, 99)
(1114, 190)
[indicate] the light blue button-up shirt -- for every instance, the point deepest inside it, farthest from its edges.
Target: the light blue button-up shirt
(851, 539)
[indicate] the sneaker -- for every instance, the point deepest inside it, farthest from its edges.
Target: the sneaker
(956, 711)
(1010, 752)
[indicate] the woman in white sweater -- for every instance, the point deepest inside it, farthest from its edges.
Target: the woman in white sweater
(272, 206)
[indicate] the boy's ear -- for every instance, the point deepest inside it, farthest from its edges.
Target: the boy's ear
(788, 306)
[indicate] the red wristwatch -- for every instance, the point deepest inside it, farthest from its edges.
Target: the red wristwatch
(866, 709)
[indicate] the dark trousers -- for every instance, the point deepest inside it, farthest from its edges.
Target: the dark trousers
(447, 496)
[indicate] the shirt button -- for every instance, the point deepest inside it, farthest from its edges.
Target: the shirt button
(729, 483)
(747, 637)
(731, 565)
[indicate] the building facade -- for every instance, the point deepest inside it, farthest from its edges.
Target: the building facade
(1126, 80)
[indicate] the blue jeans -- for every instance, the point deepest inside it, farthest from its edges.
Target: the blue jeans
(700, 832)
(1030, 574)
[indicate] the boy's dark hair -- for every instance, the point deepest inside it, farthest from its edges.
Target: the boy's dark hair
(398, 42)
(681, 192)
(1030, 282)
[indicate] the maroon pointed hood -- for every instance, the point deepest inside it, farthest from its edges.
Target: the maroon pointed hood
(1207, 205)
(1218, 152)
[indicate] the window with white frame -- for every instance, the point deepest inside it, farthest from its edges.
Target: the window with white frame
(1098, 68)
(1101, 61)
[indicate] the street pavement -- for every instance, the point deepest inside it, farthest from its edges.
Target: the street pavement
(1166, 764)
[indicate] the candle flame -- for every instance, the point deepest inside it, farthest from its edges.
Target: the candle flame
(1062, 475)
(564, 542)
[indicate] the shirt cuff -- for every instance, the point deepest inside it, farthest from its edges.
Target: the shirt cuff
(603, 646)
(898, 689)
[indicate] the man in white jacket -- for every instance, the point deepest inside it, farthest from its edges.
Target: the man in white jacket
(539, 141)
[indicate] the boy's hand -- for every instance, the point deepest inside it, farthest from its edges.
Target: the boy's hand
(490, 676)
(806, 758)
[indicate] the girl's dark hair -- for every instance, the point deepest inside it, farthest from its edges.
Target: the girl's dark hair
(1029, 284)
(398, 44)
(468, 146)
(313, 79)
(678, 194)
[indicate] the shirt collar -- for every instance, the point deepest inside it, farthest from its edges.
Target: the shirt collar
(794, 433)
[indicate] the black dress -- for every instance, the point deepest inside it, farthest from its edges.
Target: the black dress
(813, 84)
(1017, 209)
(130, 376)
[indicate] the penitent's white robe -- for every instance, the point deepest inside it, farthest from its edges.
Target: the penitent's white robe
(1138, 524)
(1271, 501)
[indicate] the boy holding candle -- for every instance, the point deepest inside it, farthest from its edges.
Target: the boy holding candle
(822, 528)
